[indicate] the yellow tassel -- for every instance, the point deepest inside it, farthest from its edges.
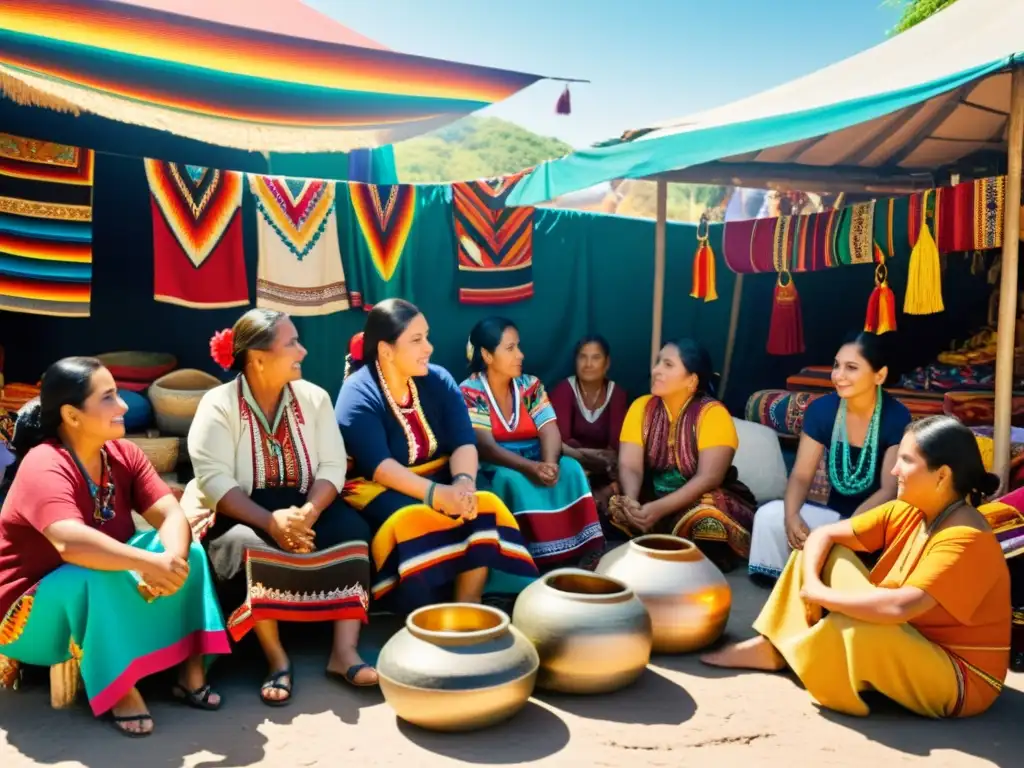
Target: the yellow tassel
(924, 279)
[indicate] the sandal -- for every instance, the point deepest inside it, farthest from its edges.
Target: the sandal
(273, 682)
(118, 723)
(349, 675)
(197, 699)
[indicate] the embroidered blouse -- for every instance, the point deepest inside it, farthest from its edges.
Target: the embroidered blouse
(432, 423)
(232, 445)
(531, 408)
(584, 428)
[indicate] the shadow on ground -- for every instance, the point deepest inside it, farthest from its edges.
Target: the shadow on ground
(651, 700)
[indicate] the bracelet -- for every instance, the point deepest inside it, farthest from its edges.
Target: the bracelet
(429, 499)
(463, 476)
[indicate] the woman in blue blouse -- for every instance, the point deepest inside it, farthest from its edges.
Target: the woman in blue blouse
(844, 461)
(408, 433)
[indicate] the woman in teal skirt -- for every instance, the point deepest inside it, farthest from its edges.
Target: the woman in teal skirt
(76, 578)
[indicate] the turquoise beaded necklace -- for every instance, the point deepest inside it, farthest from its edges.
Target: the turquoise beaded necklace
(845, 478)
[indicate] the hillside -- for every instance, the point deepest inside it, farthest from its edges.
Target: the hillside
(482, 147)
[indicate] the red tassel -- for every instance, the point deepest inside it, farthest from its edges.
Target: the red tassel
(881, 314)
(564, 104)
(786, 329)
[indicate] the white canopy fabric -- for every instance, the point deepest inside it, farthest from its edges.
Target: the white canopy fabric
(884, 119)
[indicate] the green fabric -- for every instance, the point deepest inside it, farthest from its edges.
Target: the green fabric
(122, 637)
(641, 158)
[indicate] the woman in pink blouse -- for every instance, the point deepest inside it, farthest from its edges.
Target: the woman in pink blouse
(590, 410)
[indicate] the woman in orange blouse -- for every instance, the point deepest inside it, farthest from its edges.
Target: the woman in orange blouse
(929, 627)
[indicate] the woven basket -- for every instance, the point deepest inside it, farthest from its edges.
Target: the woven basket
(175, 398)
(162, 452)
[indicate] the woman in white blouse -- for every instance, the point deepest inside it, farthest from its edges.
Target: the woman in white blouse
(269, 463)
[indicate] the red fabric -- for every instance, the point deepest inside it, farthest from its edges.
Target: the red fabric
(580, 433)
(49, 488)
(219, 281)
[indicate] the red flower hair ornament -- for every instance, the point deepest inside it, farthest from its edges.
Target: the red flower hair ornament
(222, 348)
(355, 347)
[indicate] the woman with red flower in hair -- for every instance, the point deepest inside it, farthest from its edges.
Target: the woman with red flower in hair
(269, 464)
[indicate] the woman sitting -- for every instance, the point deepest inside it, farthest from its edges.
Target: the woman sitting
(76, 579)
(844, 461)
(269, 463)
(589, 410)
(675, 460)
(414, 452)
(521, 447)
(929, 627)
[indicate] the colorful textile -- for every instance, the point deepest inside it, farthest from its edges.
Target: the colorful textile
(560, 523)
(417, 552)
(837, 657)
(780, 409)
(198, 255)
(384, 217)
(45, 227)
(494, 243)
(970, 215)
(855, 238)
(329, 584)
(300, 269)
(749, 246)
(118, 636)
(233, 84)
(978, 409)
(582, 427)
(672, 440)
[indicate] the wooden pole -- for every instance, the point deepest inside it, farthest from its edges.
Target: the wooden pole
(734, 324)
(659, 269)
(1007, 325)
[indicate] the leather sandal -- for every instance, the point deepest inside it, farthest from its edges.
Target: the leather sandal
(273, 682)
(197, 699)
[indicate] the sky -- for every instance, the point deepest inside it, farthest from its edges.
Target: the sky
(646, 60)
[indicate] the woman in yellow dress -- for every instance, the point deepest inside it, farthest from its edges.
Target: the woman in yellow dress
(929, 627)
(675, 460)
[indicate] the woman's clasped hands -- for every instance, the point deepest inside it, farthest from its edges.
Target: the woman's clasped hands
(457, 500)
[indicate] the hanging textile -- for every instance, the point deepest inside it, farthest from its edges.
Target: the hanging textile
(855, 241)
(300, 270)
(198, 254)
(380, 220)
(748, 246)
(785, 328)
(45, 227)
(704, 286)
(890, 226)
(495, 243)
(971, 215)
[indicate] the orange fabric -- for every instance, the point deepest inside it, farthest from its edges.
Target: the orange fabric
(964, 571)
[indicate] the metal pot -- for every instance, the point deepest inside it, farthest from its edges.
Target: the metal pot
(592, 633)
(686, 595)
(457, 667)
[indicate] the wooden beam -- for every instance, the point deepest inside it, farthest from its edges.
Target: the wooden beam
(730, 341)
(805, 178)
(1007, 323)
(944, 111)
(658, 300)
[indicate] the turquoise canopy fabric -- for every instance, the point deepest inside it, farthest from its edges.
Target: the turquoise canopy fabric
(651, 153)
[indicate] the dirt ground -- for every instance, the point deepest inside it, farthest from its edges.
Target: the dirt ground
(679, 713)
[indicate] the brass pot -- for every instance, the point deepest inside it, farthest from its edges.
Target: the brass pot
(592, 633)
(457, 667)
(686, 595)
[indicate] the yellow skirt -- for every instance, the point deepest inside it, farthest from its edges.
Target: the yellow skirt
(837, 657)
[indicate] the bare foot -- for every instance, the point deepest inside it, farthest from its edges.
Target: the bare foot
(131, 714)
(343, 660)
(756, 653)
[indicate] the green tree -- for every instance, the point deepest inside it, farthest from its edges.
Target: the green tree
(916, 11)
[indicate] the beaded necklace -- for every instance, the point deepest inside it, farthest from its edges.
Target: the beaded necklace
(102, 494)
(399, 412)
(845, 478)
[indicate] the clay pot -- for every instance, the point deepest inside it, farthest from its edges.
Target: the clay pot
(686, 595)
(175, 398)
(592, 633)
(137, 370)
(162, 452)
(457, 667)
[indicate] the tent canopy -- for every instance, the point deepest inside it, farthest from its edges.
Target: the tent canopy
(267, 80)
(883, 120)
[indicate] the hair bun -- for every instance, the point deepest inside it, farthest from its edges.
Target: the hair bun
(989, 484)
